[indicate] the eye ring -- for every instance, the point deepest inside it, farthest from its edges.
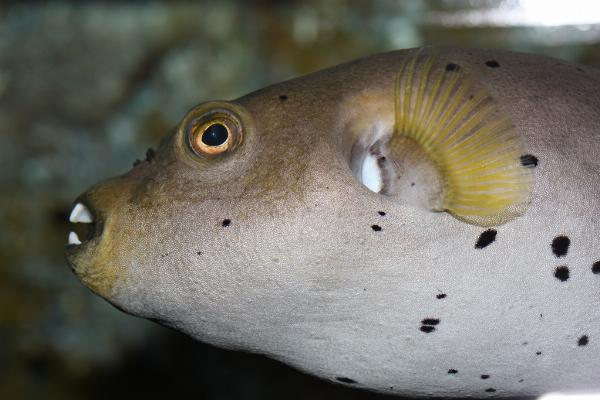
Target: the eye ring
(213, 133)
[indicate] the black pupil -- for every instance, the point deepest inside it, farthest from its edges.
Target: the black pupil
(215, 135)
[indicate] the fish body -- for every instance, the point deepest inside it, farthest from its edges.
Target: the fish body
(283, 223)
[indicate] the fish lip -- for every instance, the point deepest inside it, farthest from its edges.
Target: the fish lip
(92, 230)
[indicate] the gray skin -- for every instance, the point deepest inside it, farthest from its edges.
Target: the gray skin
(301, 276)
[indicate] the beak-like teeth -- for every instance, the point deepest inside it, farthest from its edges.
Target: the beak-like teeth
(74, 239)
(81, 214)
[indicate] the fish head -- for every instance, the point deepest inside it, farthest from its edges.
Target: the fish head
(208, 229)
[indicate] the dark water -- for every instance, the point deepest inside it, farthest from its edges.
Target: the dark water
(86, 87)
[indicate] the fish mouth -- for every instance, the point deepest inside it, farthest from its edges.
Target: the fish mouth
(86, 225)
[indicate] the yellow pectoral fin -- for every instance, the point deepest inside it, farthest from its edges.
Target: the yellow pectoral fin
(451, 134)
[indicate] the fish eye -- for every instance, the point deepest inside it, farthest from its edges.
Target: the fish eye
(214, 133)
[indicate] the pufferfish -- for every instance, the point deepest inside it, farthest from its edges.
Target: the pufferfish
(421, 222)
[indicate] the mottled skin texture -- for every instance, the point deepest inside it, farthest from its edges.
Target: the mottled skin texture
(300, 274)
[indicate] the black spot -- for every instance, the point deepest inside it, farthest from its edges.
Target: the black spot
(528, 160)
(562, 273)
(164, 255)
(484, 376)
(596, 267)
(150, 154)
(538, 353)
(583, 341)
(560, 245)
(199, 253)
(490, 390)
(345, 380)
(430, 321)
(452, 67)
(521, 380)
(452, 371)
(381, 159)
(471, 97)
(441, 296)
(492, 64)
(376, 228)
(427, 329)
(226, 222)
(525, 343)
(579, 69)
(486, 238)
(412, 184)
(382, 213)
(283, 97)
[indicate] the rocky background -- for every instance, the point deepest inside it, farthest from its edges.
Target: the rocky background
(86, 87)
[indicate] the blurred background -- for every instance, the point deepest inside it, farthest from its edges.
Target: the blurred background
(86, 87)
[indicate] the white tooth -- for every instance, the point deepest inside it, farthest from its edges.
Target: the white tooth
(81, 214)
(74, 239)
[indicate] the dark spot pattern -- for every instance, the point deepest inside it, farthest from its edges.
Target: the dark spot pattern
(560, 245)
(562, 273)
(452, 67)
(345, 380)
(226, 222)
(484, 376)
(283, 97)
(199, 253)
(490, 390)
(492, 64)
(583, 341)
(596, 268)
(441, 296)
(538, 353)
(382, 213)
(528, 160)
(150, 154)
(521, 380)
(428, 324)
(452, 371)
(486, 238)
(376, 228)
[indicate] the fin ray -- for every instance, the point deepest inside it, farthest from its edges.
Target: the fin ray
(461, 128)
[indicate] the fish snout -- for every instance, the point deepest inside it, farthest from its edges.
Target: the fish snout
(89, 250)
